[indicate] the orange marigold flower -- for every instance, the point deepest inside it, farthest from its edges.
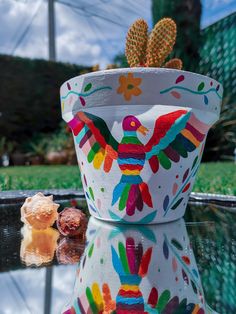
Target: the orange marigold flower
(129, 86)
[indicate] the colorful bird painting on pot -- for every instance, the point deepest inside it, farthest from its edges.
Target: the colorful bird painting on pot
(175, 134)
(131, 265)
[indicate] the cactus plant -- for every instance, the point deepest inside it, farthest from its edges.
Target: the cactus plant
(152, 50)
(174, 64)
(136, 43)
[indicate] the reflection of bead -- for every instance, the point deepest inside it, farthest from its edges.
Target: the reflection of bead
(39, 211)
(70, 250)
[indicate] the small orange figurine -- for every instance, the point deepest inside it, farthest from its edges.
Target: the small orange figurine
(39, 211)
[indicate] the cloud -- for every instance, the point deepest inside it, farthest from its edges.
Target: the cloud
(85, 35)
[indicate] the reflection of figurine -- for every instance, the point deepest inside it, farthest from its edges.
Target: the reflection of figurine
(39, 211)
(133, 269)
(38, 246)
(70, 250)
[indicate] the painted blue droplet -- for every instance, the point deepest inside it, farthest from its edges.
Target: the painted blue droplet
(195, 273)
(205, 100)
(166, 202)
(91, 207)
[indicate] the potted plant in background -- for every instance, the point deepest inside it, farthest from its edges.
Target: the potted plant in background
(2, 149)
(37, 152)
(139, 132)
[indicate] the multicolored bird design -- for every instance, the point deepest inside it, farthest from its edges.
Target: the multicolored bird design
(175, 135)
(131, 265)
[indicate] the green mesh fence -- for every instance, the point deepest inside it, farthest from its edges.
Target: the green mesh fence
(218, 54)
(218, 60)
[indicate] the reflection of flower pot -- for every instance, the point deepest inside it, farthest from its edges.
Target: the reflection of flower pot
(138, 270)
(130, 174)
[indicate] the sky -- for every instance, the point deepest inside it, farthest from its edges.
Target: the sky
(88, 32)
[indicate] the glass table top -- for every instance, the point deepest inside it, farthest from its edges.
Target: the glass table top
(177, 267)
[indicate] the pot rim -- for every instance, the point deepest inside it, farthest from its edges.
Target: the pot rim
(138, 70)
(140, 86)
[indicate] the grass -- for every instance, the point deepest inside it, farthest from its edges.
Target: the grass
(217, 177)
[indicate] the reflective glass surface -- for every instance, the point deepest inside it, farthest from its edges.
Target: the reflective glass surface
(185, 266)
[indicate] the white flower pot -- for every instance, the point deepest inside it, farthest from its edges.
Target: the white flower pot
(128, 269)
(139, 136)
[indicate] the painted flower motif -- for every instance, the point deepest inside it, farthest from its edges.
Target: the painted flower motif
(129, 86)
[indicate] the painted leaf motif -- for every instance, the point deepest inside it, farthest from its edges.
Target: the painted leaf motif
(82, 101)
(194, 162)
(218, 87)
(143, 268)
(70, 100)
(179, 79)
(90, 252)
(123, 257)
(186, 187)
(195, 272)
(185, 277)
(176, 94)
(88, 87)
(183, 308)
(84, 261)
(68, 86)
(205, 100)
(176, 244)
(175, 188)
(200, 86)
(185, 175)
(194, 287)
(174, 264)
(177, 203)
(153, 297)
(147, 219)
(166, 202)
(163, 300)
(85, 180)
(91, 193)
(92, 208)
(165, 249)
(195, 171)
(186, 259)
(172, 306)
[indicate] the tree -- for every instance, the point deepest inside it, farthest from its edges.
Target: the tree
(187, 14)
(121, 61)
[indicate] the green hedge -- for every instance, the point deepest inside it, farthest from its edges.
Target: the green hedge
(29, 91)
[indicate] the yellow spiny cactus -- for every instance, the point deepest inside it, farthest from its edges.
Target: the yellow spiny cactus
(174, 64)
(152, 50)
(161, 42)
(136, 43)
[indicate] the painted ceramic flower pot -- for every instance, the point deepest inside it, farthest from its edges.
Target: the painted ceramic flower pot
(128, 269)
(139, 135)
